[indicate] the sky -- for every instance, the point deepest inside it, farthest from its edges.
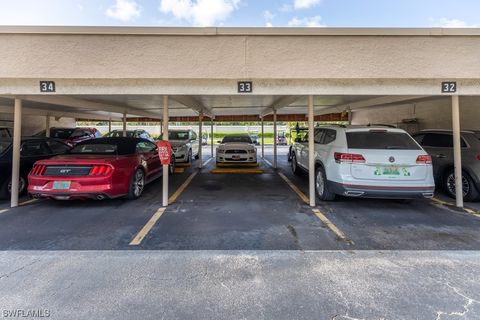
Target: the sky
(243, 13)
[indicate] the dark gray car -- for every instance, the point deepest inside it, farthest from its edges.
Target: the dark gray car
(439, 144)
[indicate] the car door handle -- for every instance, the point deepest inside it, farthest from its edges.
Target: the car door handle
(440, 156)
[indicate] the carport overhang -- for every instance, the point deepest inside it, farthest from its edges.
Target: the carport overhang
(130, 72)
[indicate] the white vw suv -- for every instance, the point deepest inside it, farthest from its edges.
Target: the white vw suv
(370, 162)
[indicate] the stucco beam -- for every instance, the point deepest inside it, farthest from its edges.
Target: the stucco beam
(59, 114)
(194, 104)
(90, 105)
(375, 102)
(278, 104)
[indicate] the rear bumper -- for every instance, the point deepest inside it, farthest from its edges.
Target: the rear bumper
(360, 191)
(87, 188)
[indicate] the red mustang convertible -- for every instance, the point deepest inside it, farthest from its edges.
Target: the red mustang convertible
(98, 169)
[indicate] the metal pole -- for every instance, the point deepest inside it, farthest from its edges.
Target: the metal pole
(200, 122)
(17, 139)
(124, 124)
(47, 126)
(165, 167)
(211, 136)
(311, 152)
(457, 150)
(263, 141)
(349, 116)
(110, 125)
(275, 139)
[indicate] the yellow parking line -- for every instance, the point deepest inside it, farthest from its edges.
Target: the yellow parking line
(316, 211)
(179, 170)
(179, 191)
(450, 204)
(330, 225)
(182, 165)
(147, 227)
(153, 220)
(237, 170)
(237, 165)
(295, 188)
(27, 202)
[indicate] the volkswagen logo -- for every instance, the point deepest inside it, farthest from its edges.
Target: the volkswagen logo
(391, 159)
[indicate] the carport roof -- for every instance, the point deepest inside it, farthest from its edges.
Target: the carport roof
(229, 31)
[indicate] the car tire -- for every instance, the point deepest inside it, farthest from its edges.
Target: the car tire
(470, 192)
(289, 157)
(137, 184)
(321, 186)
(171, 167)
(189, 156)
(294, 164)
(5, 188)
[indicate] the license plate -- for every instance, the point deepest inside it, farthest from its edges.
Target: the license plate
(235, 157)
(392, 171)
(61, 185)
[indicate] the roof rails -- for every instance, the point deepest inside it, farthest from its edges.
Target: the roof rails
(381, 125)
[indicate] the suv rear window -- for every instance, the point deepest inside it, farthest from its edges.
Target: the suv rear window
(380, 140)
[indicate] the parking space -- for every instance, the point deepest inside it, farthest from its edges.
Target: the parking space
(237, 211)
(376, 224)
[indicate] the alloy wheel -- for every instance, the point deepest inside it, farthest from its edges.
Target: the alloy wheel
(139, 183)
(451, 185)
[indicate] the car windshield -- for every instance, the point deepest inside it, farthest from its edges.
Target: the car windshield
(118, 134)
(241, 139)
(4, 145)
(380, 140)
(178, 135)
(95, 149)
(61, 133)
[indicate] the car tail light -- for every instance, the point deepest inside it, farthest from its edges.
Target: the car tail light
(478, 156)
(38, 170)
(348, 158)
(100, 170)
(424, 159)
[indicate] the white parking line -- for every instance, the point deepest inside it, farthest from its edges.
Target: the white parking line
(206, 162)
(27, 202)
(268, 162)
(3, 210)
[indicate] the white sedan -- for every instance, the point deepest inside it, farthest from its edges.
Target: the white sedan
(237, 148)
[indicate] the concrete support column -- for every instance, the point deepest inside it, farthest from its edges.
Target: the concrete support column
(110, 125)
(457, 150)
(200, 127)
(311, 152)
(211, 137)
(263, 139)
(17, 139)
(124, 124)
(275, 139)
(47, 126)
(349, 115)
(165, 167)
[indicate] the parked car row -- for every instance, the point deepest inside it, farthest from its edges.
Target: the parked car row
(386, 162)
